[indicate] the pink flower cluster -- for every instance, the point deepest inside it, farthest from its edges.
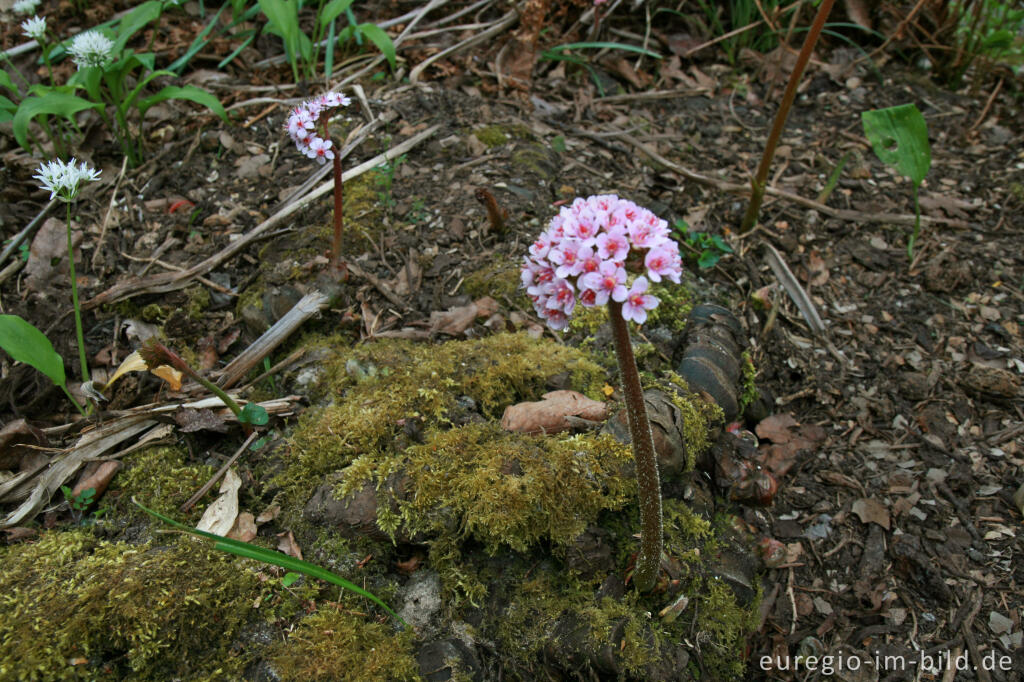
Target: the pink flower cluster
(584, 255)
(301, 125)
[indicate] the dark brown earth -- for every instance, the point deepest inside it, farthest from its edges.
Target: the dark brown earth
(896, 436)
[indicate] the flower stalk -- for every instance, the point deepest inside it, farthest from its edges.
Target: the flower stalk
(648, 481)
(301, 127)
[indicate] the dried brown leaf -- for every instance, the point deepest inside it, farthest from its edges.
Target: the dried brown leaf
(870, 510)
(286, 543)
(550, 414)
(244, 528)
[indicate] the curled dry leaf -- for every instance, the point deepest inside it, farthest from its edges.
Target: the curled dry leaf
(550, 414)
(219, 518)
(457, 320)
(48, 255)
(870, 510)
(286, 543)
(97, 475)
(15, 441)
(244, 528)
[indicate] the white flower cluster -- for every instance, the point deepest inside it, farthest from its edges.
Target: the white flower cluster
(34, 28)
(25, 6)
(91, 48)
(301, 125)
(64, 179)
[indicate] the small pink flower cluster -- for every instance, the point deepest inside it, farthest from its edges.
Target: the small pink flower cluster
(301, 125)
(584, 254)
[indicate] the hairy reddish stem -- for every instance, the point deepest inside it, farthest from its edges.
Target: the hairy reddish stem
(645, 575)
(338, 268)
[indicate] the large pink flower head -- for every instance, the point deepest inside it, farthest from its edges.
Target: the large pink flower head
(598, 249)
(301, 125)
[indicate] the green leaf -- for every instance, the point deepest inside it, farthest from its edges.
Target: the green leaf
(244, 549)
(289, 579)
(332, 11)
(253, 414)
(187, 92)
(283, 21)
(6, 82)
(708, 259)
(382, 40)
(25, 343)
(7, 109)
(135, 20)
(58, 103)
(899, 136)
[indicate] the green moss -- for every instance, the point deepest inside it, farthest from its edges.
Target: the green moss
(674, 304)
(491, 136)
(332, 644)
(722, 628)
(698, 415)
(421, 381)
(748, 385)
(159, 478)
(79, 608)
(498, 279)
(154, 313)
(511, 490)
(198, 301)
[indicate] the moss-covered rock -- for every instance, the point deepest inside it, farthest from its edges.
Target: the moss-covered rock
(334, 645)
(79, 608)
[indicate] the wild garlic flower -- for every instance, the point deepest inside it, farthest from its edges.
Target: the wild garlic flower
(301, 125)
(34, 28)
(64, 179)
(91, 48)
(25, 6)
(586, 254)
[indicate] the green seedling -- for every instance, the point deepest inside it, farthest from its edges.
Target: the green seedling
(707, 249)
(267, 556)
(899, 136)
(301, 50)
(79, 503)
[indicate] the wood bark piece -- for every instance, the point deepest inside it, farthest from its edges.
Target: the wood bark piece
(305, 308)
(172, 281)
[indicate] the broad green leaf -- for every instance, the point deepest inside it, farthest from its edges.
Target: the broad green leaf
(187, 92)
(382, 40)
(6, 82)
(708, 259)
(899, 136)
(25, 343)
(332, 11)
(253, 414)
(289, 579)
(135, 20)
(7, 109)
(244, 549)
(57, 103)
(283, 21)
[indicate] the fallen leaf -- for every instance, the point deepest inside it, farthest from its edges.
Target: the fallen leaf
(549, 415)
(14, 438)
(191, 421)
(269, 514)
(870, 510)
(776, 428)
(458, 319)
(219, 518)
(96, 476)
(286, 543)
(244, 528)
(19, 533)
